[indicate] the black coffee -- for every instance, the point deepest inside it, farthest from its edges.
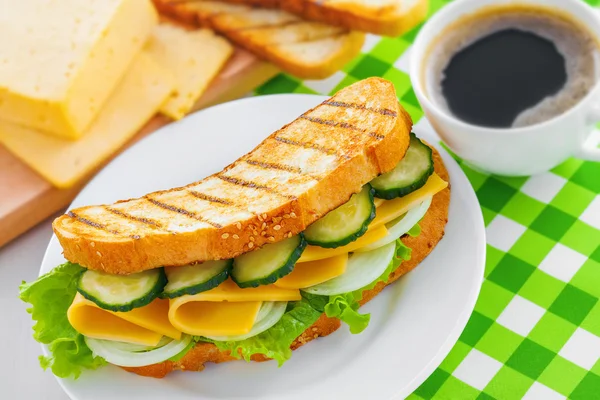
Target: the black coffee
(511, 67)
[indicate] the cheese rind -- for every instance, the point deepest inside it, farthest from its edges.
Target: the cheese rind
(311, 273)
(142, 91)
(65, 57)
(194, 58)
(90, 320)
(208, 318)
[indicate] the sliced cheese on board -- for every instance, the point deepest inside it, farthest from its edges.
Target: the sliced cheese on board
(229, 291)
(142, 91)
(64, 58)
(312, 253)
(209, 318)
(389, 210)
(311, 273)
(194, 58)
(90, 320)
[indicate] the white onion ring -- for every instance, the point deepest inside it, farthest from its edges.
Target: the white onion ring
(400, 226)
(113, 352)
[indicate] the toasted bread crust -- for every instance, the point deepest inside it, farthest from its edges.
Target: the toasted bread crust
(432, 231)
(381, 21)
(122, 244)
(271, 40)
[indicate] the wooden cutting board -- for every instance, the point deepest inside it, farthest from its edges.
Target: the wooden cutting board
(26, 198)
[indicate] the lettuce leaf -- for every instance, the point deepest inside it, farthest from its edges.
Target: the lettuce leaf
(276, 341)
(50, 296)
(345, 306)
(414, 231)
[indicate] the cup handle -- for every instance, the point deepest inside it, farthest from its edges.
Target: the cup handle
(590, 149)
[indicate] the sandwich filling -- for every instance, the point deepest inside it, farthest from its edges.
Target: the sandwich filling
(257, 303)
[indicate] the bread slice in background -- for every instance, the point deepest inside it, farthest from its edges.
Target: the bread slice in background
(291, 179)
(194, 57)
(382, 17)
(309, 50)
(432, 230)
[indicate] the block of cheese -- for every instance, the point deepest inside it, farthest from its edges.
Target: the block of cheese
(61, 59)
(311, 273)
(209, 318)
(63, 162)
(90, 320)
(194, 58)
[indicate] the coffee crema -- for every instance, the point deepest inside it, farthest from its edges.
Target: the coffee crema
(511, 66)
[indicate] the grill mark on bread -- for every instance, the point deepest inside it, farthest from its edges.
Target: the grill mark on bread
(211, 199)
(328, 122)
(376, 135)
(91, 223)
(382, 111)
(181, 211)
(280, 167)
(143, 220)
(263, 26)
(306, 145)
(253, 185)
(344, 125)
(218, 200)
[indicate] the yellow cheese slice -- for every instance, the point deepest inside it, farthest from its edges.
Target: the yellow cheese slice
(378, 201)
(209, 318)
(142, 91)
(311, 273)
(90, 320)
(229, 291)
(65, 58)
(194, 58)
(154, 316)
(392, 209)
(312, 253)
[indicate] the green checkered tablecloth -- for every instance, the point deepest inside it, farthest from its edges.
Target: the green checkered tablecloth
(535, 331)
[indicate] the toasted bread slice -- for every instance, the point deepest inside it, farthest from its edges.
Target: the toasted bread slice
(306, 49)
(294, 177)
(432, 231)
(382, 17)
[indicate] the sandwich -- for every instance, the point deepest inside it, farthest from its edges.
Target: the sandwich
(279, 248)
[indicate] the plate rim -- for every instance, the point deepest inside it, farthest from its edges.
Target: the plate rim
(452, 336)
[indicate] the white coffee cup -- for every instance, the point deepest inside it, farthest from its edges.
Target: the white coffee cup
(510, 151)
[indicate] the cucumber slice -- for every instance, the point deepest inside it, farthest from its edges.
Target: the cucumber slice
(121, 293)
(345, 224)
(192, 279)
(410, 174)
(267, 264)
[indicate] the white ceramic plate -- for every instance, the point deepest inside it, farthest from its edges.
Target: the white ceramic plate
(414, 323)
